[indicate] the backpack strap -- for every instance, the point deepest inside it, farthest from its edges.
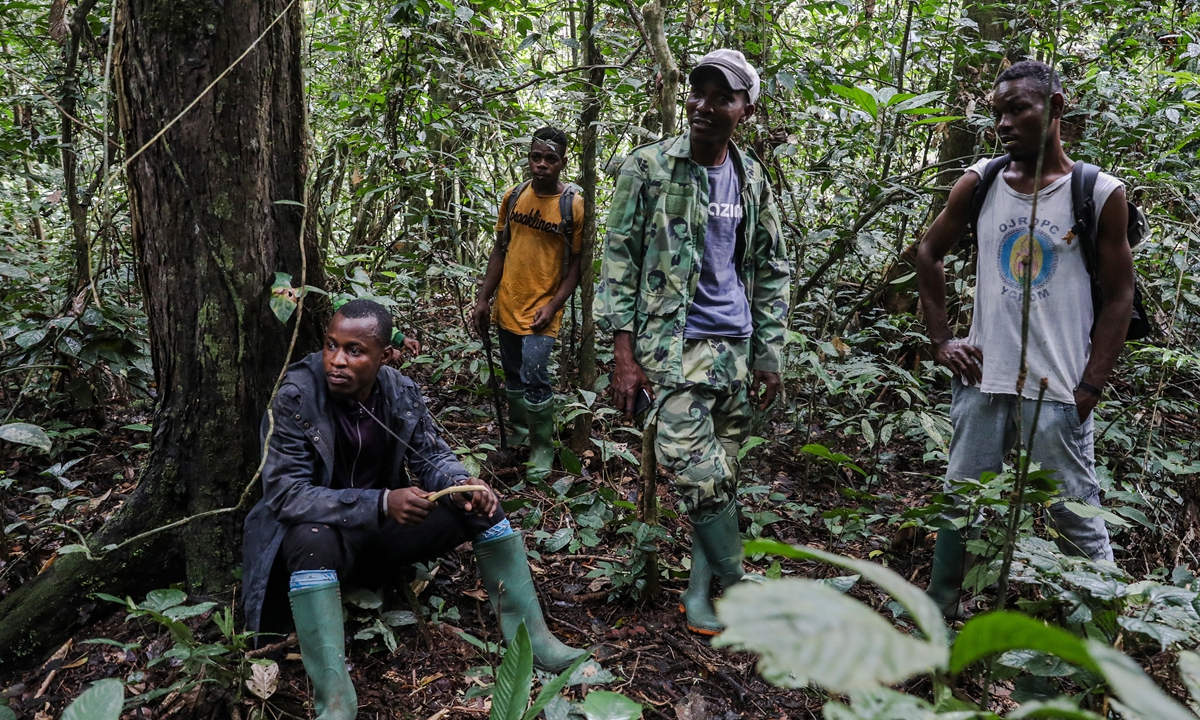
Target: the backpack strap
(982, 188)
(1083, 208)
(506, 233)
(566, 211)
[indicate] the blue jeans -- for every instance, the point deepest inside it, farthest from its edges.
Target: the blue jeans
(526, 363)
(985, 431)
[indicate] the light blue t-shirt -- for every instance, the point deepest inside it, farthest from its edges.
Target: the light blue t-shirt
(720, 308)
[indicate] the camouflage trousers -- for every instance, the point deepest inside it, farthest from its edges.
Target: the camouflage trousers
(702, 423)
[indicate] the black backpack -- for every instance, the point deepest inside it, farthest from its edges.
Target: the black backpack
(566, 228)
(1083, 207)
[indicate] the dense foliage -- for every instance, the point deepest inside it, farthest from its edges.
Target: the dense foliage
(419, 115)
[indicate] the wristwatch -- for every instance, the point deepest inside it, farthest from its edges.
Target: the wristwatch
(1089, 389)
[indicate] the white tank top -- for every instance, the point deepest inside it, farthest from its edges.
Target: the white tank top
(1060, 307)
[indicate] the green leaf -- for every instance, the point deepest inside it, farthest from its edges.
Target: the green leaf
(514, 679)
(551, 689)
(570, 461)
(923, 610)
(751, 443)
(288, 202)
(809, 634)
(183, 612)
(1189, 672)
(605, 705)
(529, 40)
(858, 96)
(1090, 511)
(362, 598)
(160, 600)
(1059, 708)
(137, 427)
(883, 704)
(25, 434)
(998, 632)
(903, 102)
(6, 713)
(939, 119)
(1133, 687)
(102, 701)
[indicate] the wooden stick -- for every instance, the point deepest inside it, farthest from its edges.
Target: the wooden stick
(456, 489)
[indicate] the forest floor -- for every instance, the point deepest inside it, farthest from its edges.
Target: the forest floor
(642, 645)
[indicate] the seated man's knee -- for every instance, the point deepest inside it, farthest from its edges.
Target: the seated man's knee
(312, 546)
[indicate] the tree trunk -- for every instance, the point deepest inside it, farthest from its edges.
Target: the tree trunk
(209, 236)
(655, 14)
(594, 102)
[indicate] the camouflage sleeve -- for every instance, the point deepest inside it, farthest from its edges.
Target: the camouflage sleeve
(772, 289)
(624, 252)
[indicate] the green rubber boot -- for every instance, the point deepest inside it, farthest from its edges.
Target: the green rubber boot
(505, 571)
(517, 422)
(541, 439)
(318, 615)
(949, 568)
(696, 602)
(718, 533)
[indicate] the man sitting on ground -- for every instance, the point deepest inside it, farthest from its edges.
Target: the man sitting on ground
(353, 455)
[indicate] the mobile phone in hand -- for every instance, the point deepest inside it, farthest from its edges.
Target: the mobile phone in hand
(641, 402)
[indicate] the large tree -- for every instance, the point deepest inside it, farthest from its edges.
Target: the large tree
(215, 213)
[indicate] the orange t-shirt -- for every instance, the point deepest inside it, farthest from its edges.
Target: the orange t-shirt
(534, 263)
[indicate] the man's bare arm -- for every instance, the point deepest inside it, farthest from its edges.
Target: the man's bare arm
(491, 280)
(963, 359)
(1114, 272)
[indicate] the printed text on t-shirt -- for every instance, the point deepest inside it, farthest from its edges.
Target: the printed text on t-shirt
(725, 210)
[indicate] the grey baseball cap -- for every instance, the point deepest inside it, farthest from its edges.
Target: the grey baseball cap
(739, 73)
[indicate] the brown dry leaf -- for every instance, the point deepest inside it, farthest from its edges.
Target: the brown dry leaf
(693, 707)
(53, 198)
(478, 593)
(842, 348)
(96, 502)
(81, 660)
(263, 679)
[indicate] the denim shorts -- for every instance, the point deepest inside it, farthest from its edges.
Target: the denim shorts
(985, 431)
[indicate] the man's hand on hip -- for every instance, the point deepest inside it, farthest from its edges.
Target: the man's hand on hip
(769, 381)
(408, 506)
(1085, 403)
(964, 360)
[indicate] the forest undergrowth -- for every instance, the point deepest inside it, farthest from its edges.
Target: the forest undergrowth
(397, 130)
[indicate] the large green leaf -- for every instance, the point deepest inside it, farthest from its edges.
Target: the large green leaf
(1058, 709)
(102, 701)
(1133, 687)
(887, 704)
(923, 610)
(6, 713)
(1189, 672)
(514, 679)
(551, 689)
(998, 632)
(858, 96)
(807, 633)
(605, 705)
(25, 434)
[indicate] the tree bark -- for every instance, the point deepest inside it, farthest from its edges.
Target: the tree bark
(668, 97)
(209, 236)
(589, 179)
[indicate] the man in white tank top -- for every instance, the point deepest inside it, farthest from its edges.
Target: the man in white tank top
(1068, 347)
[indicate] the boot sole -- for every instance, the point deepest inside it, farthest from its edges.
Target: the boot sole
(707, 632)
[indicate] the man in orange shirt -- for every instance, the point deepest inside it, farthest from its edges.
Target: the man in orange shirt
(533, 269)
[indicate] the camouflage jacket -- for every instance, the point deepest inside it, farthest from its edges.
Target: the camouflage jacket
(655, 246)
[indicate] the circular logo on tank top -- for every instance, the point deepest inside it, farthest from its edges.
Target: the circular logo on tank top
(1018, 256)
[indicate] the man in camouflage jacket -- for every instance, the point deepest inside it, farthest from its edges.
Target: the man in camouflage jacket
(694, 289)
